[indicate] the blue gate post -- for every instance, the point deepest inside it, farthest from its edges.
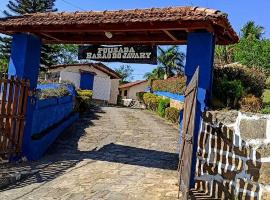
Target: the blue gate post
(24, 63)
(200, 52)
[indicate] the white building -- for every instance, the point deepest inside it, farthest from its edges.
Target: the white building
(92, 76)
(129, 90)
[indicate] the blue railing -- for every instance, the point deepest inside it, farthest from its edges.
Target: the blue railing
(178, 97)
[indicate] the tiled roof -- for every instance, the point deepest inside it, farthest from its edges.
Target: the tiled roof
(98, 66)
(58, 21)
(119, 16)
(127, 85)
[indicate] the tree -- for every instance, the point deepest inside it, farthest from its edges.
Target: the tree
(125, 71)
(171, 60)
(65, 53)
(251, 31)
(20, 7)
(3, 65)
(251, 51)
(224, 54)
(157, 73)
(170, 63)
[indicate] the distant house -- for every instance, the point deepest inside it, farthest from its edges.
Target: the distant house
(129, 90)
(91, 76)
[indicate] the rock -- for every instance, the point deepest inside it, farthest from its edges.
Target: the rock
(264, 150)
(225, 117)
(253, 129)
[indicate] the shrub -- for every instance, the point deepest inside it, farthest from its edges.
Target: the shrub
(83, 100)
(232, 82)
(67, 82)
(174, 85)
(172, 114)
(163, 104)
(140, 96)
(86, 93)
(252, 79)
(268, 83)
(229, 92)
(266, 110)
(151, 101)
(56, 92)
(250, 103)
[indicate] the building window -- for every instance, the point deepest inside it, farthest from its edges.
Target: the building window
(125, 93)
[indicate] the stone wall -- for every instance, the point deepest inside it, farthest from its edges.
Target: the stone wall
(234, 155)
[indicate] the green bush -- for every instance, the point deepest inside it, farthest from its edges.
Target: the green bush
(266, 110)
(140, 96)
(83, 100)
(252, 79)
(232, 82)
(163, 104)
(50, 93)
(268, 83)
(174, 85)
(172, 114)
(151, 101)
(230, 92)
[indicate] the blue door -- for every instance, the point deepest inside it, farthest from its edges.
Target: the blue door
(87, 81)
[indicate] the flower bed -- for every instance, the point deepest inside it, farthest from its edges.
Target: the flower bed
(53, 112)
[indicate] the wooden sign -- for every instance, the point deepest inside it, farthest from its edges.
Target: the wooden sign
(126, 54)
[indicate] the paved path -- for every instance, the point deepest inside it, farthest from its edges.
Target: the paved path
(115, 153)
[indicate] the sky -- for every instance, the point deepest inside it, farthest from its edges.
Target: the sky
(239, 11)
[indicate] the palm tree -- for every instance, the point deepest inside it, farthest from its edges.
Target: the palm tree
(224, 54)
(171, 60)
(251, 30)
(157, 73)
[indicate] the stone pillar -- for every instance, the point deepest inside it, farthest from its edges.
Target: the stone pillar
(200, 52)
(24, 63)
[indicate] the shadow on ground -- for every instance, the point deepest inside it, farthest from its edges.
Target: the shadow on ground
(64, 154)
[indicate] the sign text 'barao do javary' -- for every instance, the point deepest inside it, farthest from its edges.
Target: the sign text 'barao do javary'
(127, 54)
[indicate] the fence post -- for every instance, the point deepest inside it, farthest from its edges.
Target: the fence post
(24, 63)
(200, 52)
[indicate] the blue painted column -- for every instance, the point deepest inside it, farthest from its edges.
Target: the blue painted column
(24, 63)
(25, 57)
(200, 52)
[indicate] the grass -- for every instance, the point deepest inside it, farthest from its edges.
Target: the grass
(268, 82)
(266, 101)
(266, 96)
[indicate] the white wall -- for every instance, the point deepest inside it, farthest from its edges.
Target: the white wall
(102, 82)
(73, 77)
(102, 87)
(136, 88)
(114, 91)
(131, 92)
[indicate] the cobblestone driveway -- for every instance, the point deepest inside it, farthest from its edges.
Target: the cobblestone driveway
(113, 153)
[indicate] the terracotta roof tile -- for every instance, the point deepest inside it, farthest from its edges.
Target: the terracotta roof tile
(171, 14)
(127, 85)
(98, 66)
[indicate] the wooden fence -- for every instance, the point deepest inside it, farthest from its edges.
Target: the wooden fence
(14, 93)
